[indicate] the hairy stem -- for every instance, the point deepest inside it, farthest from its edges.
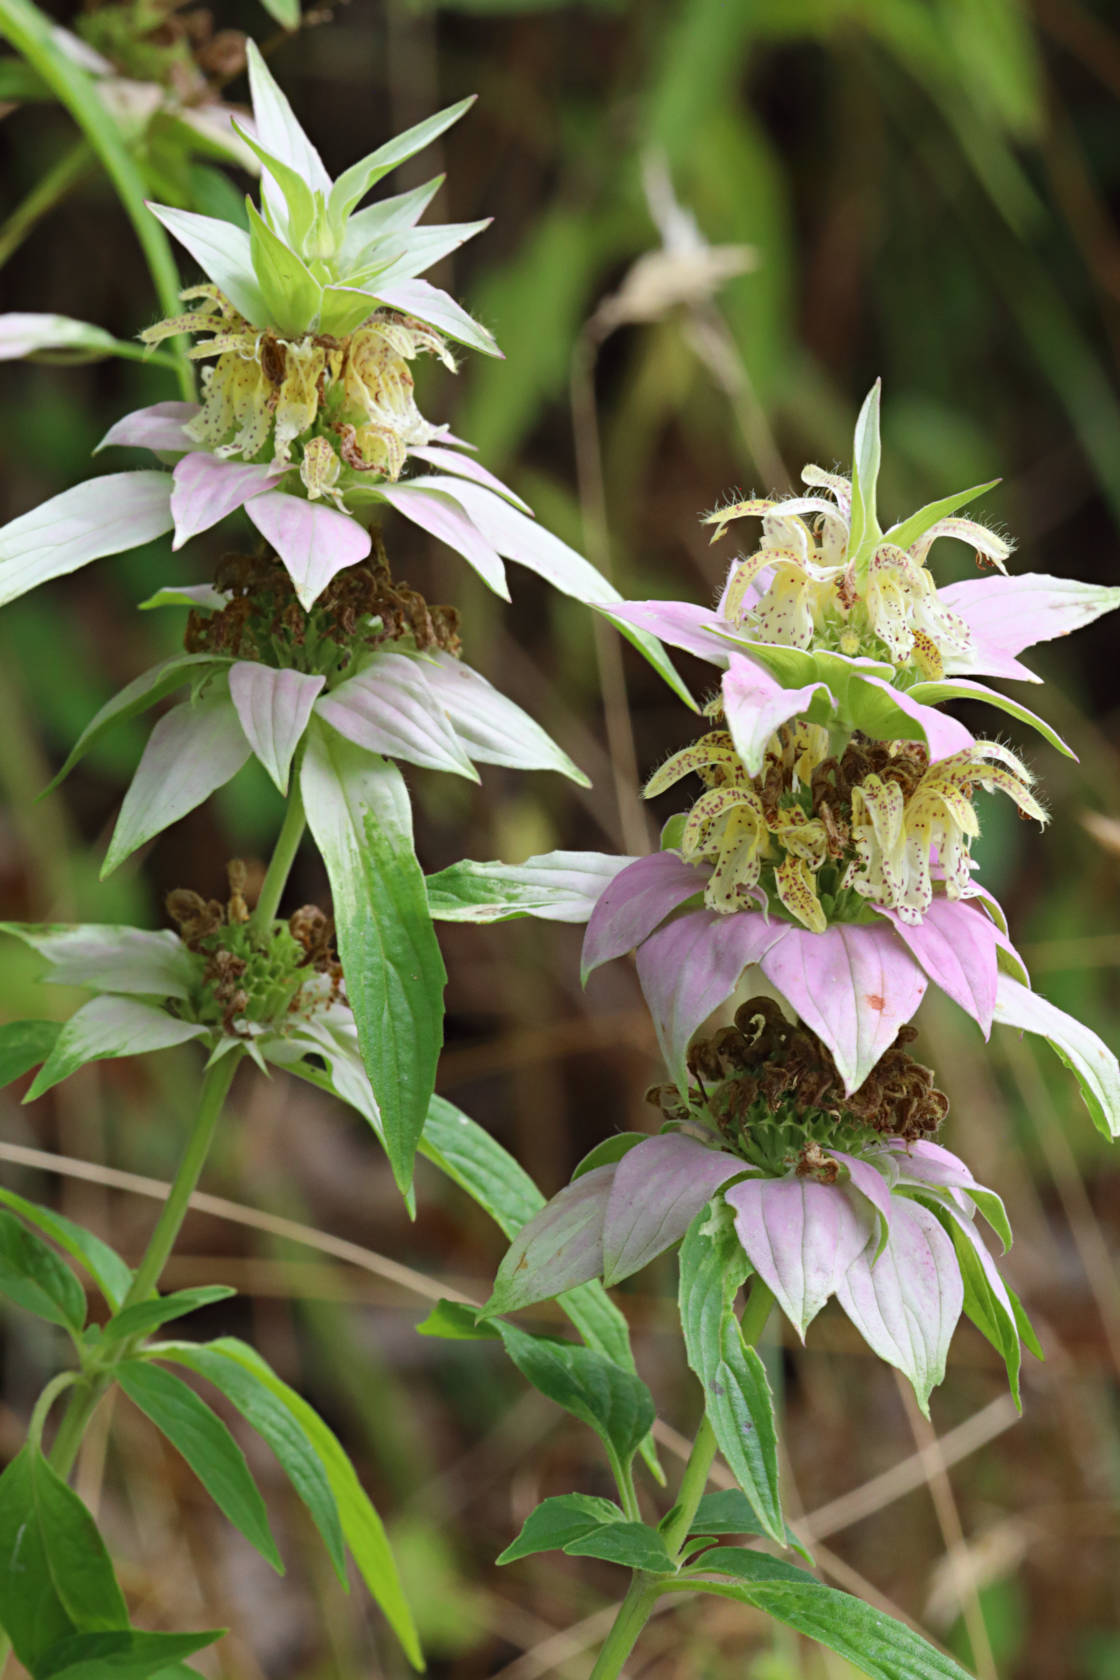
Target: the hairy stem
(283, 856)
(644, 1590)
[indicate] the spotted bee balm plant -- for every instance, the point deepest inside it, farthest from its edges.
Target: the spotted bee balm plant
(822, 870)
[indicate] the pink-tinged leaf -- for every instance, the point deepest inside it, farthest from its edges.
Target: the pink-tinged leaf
(682, 624)
(157, 427)
(555, 887)
(870, 1183)
(854, 985)
(195, 749)
(492, 729)
(273, 708)
(206, 489)
(110, 1026)
(102, 516)
(957, 947)
(449, 460)
(1009, 614)
(756, 705)
(112, 959)
(961, 688)
(1088, 1058)
(659, 1188)
(944, 735)
(999, 1306)
(428, 303)
(800, 1237)
(906, 1303)
(689, 968)
(560, 1248)
(390, 708)
(635, 902)
(526, 542)
(424, 502)
(313, 541)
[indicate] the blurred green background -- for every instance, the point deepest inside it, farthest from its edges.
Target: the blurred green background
(929, 191)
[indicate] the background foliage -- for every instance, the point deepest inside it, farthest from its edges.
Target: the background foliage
(929, 187)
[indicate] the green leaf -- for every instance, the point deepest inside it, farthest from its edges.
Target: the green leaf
(224, 254)
(109, 1026)
(358, 811)
(1027, 1333)
(752, 1566)
(1087, 1056)
(874, 1643)
(206, 1444)
(632, 1544)
(297, 194)
(907, 531)
(454, 1321)
(958, 688)
(554, 887)
(361, 1525)
(478, 1164)
(107, 1269)
(61, 340)
(129, 1655)
(55, 1575)
(614, 1403)
(556, 1522)
(145, 1316)
(737, 1394)
(291, 292)
(354, 183)
(33, 1276)
(865, 531)
(285, 12)
(144, 691)
(730, 1512)
(611, 1149)
(23, 1045)
(267, 1413)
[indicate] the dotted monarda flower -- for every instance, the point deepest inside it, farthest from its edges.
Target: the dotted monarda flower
(820, 1191)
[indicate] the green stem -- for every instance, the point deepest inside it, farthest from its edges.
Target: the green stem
(216, 1083)
(71, 168)
(644, 1590)
(29, 32)
(56, 1386)
(280, 866)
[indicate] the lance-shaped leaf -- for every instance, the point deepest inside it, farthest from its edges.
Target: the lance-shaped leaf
(361, 1525)
(554, 887)
(281, 134)
(906, 1303)
(223, 253)
(107, 1269)
(908, 531)
(55, 1575)
(354, 183)
(159, 426)
(987, 1300)
(196, 748)
(110, 1027)
(290, 290)
(454, 461)
(313, 541)
(800, 1237)
(736, 1392)
(357, 807)
(424, 247)
(634, 1545)
(273, 708)
(206, 1444)
(267, 1413)
(558, 1249)
(205, 489)
(865, 478)
(558, 1521)
(390, 708)
(421, 298)
(641, 895)
(1007, 615)
(112, 959)
(427, 503)
(143, 1317)
(23, 1045)
(1086, 1055)
(657, 1190)
(493, 729)
(126, 1655)
(102, 516)
(958, 949)
(33, 1276)
(143, 691)
(960, 688)
(56, 337)
(366, 229)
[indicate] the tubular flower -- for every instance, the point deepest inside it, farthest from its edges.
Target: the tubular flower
(342, 402)
(820, 1191)
(813, 828)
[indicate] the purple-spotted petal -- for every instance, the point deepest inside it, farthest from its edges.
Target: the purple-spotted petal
(659, 1188)
(1009, 614)
(560, 1247)
(853, 985)
(689, 968)
(680, 623)
(635, 902)
(157, 427)
(273, 708)
(206, 489)
(800, 1237)
(313, 541)
(906, 1303)
(392, 709)
(756, 704)
(441, 514)
(957, 947)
